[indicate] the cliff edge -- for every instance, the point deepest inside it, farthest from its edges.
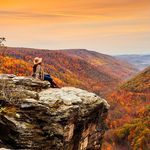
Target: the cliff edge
(34, 116)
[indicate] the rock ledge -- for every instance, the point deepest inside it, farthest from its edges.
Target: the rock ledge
(34, 116)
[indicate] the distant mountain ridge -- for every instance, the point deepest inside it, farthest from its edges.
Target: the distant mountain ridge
(140, 61)
(74, 67)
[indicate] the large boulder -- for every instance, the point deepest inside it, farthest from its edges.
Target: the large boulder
(34, 116)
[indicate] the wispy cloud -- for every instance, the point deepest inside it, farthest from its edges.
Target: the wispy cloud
(75, 9)
(32, 14)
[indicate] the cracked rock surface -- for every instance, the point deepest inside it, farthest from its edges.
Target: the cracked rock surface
(34, 116)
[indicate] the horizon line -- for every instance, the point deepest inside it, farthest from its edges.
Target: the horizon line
(113, 54)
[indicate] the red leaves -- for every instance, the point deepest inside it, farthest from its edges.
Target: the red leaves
(15, 66)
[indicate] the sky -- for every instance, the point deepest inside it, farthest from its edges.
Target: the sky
(106, 26)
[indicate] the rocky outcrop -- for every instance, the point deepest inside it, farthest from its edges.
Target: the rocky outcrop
(34, 116)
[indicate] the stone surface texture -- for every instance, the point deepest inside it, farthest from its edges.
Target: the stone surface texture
(34, 116)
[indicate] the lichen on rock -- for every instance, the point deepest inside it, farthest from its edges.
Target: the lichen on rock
(54, 119)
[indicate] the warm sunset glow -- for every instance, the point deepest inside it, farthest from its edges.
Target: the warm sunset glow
(107, 26)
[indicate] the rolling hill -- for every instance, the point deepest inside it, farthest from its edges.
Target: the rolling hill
(140, 83)
(129, 114)
(89, 70)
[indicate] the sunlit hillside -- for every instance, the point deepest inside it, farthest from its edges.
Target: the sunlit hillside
(9, 65)
(129, 114)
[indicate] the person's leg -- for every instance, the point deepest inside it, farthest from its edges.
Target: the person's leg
(48, 78)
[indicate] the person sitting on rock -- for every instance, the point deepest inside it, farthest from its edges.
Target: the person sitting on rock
(38, 72)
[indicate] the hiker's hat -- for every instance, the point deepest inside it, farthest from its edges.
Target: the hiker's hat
(37, 60)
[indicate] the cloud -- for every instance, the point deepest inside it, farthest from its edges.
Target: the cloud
(5, 13)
